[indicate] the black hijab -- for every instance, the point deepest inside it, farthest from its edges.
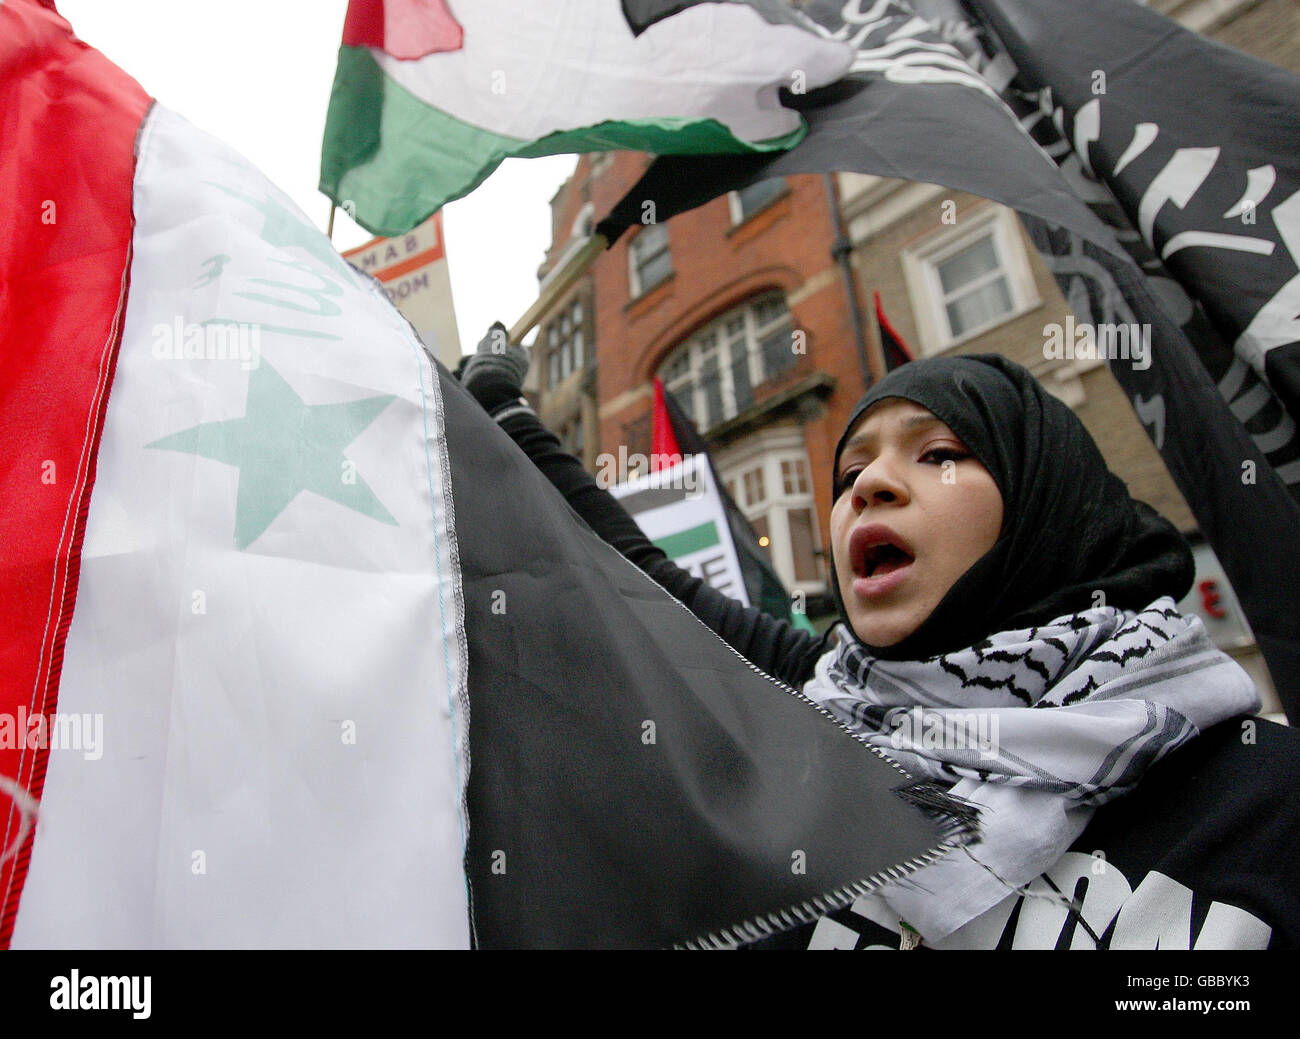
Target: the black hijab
(1069, 527)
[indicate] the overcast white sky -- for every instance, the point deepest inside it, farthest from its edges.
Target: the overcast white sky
(257, 74)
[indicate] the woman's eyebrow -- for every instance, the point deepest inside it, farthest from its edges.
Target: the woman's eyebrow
(909, 423)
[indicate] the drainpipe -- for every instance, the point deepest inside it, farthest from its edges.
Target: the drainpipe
(869, 355)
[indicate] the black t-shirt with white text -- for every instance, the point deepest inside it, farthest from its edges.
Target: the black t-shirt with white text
(1203, 854)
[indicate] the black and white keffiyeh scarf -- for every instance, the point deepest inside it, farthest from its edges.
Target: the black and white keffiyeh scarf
(1036, 726)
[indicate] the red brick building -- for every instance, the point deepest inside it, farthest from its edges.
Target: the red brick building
(741, 309)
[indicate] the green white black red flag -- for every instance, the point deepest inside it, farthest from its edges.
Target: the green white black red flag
(427, 101)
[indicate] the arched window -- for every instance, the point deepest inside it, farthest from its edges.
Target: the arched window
(714, 372)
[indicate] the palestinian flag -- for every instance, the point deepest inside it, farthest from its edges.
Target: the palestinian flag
(270, 581)
(430, 97)
(671, 432)
(665, 451)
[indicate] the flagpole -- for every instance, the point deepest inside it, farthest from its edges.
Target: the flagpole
(329, 231)
(575, 268)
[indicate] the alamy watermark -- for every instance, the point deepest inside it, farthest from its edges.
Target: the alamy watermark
(943, 730)
(1082, 341)
(54, 731)
(663, 470)
(75, 991)
(209, 341)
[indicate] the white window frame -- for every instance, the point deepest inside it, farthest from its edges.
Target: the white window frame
(752, 341)
(733, 202)
(920, 269)
(634, 271)
(767, 449)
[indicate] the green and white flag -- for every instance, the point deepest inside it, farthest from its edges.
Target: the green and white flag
(680, 510)
(428, 100)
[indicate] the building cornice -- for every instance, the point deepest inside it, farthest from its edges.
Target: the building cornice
(625, 400)
(785, 403)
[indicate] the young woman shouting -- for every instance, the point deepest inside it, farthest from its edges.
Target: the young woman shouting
(1008, 628)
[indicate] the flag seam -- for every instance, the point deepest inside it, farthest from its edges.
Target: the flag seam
(425, 362)
(461, 742)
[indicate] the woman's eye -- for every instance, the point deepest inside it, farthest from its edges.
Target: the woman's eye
(847, 480)
(939, 455)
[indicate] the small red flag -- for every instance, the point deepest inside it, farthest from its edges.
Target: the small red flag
(663, 441)
(891, 343)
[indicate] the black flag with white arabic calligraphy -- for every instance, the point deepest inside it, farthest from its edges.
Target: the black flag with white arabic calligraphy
(934, 96)
(1205, 198)
(1198, 148)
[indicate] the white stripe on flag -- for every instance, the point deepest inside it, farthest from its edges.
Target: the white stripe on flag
(229, 805)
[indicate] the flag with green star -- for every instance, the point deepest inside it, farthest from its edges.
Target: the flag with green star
(262, 561)
(282, 447)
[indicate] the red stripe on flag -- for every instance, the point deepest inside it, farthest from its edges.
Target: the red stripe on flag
(364, 24)
(406, 29)
(663, 441)
(66, 177)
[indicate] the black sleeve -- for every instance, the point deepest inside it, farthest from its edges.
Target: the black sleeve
(775, 646)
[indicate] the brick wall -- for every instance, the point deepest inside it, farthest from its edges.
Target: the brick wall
(716, 266)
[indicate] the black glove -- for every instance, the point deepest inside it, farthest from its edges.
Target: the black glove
(494, 374)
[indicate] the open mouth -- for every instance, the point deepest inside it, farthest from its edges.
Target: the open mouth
(876, 551)
(883, 559)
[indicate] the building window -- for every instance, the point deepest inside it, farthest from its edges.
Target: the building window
(564, 344)
(767, 475)
(713, 373)
(975, 288)
(651, 262)
(969, 279)
(803, 544)
(794, 477)
(577, 335)
(748, 201)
